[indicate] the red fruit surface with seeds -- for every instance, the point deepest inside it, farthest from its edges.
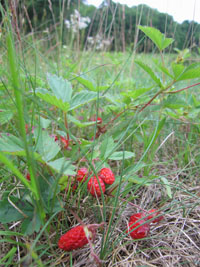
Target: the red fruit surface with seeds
(74, 239)
(82, 174)
(142, 231)
(107, 175)
(155, 213)
(93, 186)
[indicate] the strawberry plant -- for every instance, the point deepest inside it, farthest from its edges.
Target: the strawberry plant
(94, 145)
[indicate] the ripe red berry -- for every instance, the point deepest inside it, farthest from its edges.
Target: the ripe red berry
(93, 186)
(75, 238)
(28, 177)
(65, 142)
(155, 213)
(107, 175)
(142, 231)
(99, 120)
(82, 174)
(55, 138)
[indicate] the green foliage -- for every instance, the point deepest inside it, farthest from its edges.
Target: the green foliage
(157, 37)
(150, 72)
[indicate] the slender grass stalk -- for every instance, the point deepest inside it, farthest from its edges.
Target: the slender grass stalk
(9, 257)
(14, 71)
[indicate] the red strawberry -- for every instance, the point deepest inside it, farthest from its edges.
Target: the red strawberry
(75, 238)
(99, 120)
(93, 186)
(142, 231)
(28, 177)
(107, 175)
(155, 213)
(82, 174)
(64, 141)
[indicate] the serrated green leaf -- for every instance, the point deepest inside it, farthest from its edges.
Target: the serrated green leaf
(85, 82)
(120, 155)
(31, 225)
(51, 99)
(10, 143)
(82, 98)
(140, 91)
(106, 147)
(157, 37)
(9, 213)
(5, 116)
(22, 153)
(45, 145)
(61, 88)
(44, 123)
(163, 69)
(191, 72)
(177, 70)
(174, 102)
(150, 72)
(62, 166)
(115, 99)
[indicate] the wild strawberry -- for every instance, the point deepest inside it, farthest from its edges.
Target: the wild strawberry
(28, 177)
(93, 186)
(99, 120)
(78, 236)
(107, 175)
(155, 213)
(82, 174)
(65, 142)
(75, 238)
(142, 231)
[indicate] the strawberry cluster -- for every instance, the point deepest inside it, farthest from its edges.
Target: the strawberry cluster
(96, 185)
(139, 223)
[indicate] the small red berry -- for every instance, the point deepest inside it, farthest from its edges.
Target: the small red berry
(99, 120)
(155, 213)
(65, 142)
(75, 238)
(82, 174)
(28, 177)
(107, 175)
(142, 231)
(55, 138)
(93, 186)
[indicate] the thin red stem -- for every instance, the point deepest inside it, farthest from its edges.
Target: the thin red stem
(180, 90)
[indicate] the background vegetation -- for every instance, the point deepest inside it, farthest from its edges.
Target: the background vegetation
(54, 84)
